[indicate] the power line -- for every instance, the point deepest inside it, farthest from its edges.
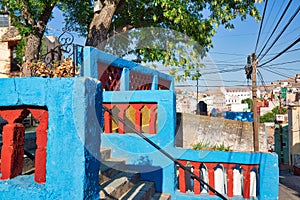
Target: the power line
(261, 24)
(281, 17)
(283, 63)
(274, 72)
(282, 31)
(297, 49)
(263, 83)
(192, 85)
(231, 54)
(269, 15)
(282, 52)
(277, 14)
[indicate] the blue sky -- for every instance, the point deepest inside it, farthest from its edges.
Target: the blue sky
(231, 47)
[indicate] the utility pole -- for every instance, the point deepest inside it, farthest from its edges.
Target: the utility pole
(254, 103)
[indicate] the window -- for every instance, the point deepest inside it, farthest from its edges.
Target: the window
(4, 20)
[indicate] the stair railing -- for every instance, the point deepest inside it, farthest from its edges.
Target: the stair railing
(140, 133)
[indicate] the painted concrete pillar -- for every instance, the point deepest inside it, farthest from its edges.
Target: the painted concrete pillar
(13, 143)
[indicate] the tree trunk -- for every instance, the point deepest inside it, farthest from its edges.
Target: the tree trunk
(32, 49)
(34, 39)
(100, 24)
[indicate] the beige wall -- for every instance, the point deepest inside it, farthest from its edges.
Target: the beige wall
(192, 129)
(294, 129)
(4, 56)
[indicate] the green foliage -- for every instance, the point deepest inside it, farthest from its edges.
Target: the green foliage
(202, 145)
(276, 110)
(221, 147)
(248, 101)
(196, 20)
(20, 50)
(270, 116)
(34, 11)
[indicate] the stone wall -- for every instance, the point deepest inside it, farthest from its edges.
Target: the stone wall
(192, 129)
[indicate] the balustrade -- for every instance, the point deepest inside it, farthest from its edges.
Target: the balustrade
(141, 115)
(12, 152)
(227, 178)
(110, 77)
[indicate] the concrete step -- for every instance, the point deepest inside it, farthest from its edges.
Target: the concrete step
(118, 185)
(118, 182)
(143, 190)
(105, 153)
(116, 163)
(109, 168)
(161, 196)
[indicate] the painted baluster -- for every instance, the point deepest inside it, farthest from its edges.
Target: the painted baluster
(12, 153)
(122, 115)
(211, 175)
(196, 166)
(41, 142)
(153, 118)
(230, 183)
(138, 116)
(182, 184)
(246, 174)
(107, 119)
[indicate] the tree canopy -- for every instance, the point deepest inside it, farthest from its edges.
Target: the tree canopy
(270, 116)
(196, 21)
(31, 18)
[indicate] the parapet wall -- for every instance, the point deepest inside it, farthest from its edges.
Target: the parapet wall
(192, 129)
(68, 142)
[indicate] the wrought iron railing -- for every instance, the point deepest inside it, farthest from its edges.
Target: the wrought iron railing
(65, 49)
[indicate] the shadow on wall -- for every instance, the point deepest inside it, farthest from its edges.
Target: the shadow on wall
(179, 131)
(148, 171)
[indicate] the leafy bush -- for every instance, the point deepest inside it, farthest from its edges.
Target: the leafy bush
(202, 145)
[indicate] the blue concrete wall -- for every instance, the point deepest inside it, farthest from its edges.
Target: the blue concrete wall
(240, 116)
(72, 164)
(150, 162)
(139, 154)
(268, 168)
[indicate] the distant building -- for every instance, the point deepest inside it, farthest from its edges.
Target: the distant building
(294, 134)
(236, 95)
(186, 101)
(9, 38)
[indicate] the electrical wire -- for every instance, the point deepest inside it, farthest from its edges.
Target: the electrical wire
(281, 17)
(282, 52)
(283, 63)
(231, 54)
(282, 31)
(277, 14)
(266, 21)
(261, 24)
(278, 73)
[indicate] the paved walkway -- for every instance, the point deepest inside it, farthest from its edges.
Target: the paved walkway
(289, 186)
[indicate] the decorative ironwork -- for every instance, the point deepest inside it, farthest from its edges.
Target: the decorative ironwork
(65, 49)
